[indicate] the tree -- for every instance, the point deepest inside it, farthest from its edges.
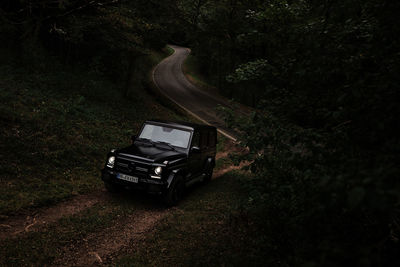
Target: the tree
(323, 139)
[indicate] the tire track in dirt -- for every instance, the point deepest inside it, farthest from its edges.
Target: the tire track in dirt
(97, 248)
(39, 218)
(102, 247)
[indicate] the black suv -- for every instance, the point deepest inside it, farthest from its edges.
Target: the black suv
(164, 158)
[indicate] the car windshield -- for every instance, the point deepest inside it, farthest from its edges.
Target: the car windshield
(173, 136)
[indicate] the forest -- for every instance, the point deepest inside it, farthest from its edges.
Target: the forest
(321, 78)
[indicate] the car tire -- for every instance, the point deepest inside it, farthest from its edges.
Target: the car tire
(208, 176)
(112, 188)
(209, 171)
(174, 193)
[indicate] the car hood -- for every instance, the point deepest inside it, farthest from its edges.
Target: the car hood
(149, 153)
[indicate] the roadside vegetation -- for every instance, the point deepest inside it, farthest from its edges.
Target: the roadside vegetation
(71, 89)
(59, 124)
(323, 137)
(322, 140)
(194, 74)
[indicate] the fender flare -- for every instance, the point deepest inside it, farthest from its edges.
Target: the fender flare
(210, 163)
(172, 175)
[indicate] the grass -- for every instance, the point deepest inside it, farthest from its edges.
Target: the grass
(192, 71)
(223, 141)
(169, 50)
(207, 228)
(57, 126)
(43, 247)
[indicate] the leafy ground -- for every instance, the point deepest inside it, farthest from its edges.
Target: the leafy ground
(65, 121)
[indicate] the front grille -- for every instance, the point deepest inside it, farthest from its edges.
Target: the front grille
(119, 166)
(140, 169)
(131, 167)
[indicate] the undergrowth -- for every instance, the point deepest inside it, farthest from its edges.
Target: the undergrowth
(57, 124)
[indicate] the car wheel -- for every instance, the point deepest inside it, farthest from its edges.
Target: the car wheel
(174, 193)
(112, 188)
(208, 176)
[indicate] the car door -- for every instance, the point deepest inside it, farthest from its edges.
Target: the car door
(195, 157)
(204, 147)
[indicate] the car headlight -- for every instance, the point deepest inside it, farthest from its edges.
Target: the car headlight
(158, 170)
(110, 162)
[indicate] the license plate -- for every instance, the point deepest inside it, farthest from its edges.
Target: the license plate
(129, 178)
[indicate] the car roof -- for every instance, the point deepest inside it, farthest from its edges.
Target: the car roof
(182, 125)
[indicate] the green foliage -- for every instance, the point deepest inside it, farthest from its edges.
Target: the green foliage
(57, 125)
(319, 198)
(323, 141)
(254, 70)
(72, 81)
(111, 36)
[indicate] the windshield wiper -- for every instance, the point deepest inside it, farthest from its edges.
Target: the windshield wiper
(165, 143)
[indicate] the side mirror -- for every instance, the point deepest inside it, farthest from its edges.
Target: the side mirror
(195, 149)
(133, 138)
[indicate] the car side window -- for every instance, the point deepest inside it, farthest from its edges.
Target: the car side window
(196, 139)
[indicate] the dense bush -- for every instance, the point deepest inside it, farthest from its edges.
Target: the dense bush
(318, 198)
(323, 140)
(111, 36)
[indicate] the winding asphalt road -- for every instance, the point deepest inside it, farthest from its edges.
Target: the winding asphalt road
(172, 83)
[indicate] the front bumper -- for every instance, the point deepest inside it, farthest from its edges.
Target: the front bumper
(144, 183)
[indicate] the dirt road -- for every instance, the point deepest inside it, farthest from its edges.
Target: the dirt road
(171, 81)
(46, 226)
